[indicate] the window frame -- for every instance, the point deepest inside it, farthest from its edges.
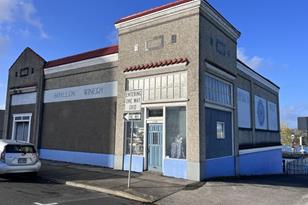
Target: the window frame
(23, 117)
(223, 81)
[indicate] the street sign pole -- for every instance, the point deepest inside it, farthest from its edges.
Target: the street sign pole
(130, 154)
(132, 112)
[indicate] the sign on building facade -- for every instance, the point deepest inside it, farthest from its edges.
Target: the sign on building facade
(272, 116)
(243, 104)
(133, 100)
(260, 113)
(84, 92)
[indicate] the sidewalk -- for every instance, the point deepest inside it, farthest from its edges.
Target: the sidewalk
(145, 187)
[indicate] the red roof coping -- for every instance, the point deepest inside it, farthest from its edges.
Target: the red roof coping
(83, 56)
(153, 10)
(157, 64)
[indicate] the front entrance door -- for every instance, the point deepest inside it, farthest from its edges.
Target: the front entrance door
(155, 133)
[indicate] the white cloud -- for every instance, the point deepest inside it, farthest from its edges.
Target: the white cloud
(29, 13)
(7, 8)
(12, 11)
(4, 41)
(112, 37)
(2, 107)
(290, 113)
(254, 62)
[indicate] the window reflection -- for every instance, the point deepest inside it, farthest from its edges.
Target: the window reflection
(176, 132)
(138, 136)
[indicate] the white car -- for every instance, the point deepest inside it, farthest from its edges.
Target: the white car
(18, 157)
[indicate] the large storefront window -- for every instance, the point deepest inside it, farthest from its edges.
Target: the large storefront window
(176, 132)
(217, 91)
(138, 136)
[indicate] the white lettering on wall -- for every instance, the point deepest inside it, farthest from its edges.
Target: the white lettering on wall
(24, 99)
(93, 91)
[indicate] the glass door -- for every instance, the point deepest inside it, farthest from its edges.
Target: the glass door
(155, 133)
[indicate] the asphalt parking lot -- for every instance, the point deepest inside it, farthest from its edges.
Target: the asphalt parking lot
(28, 190)
(261, 190)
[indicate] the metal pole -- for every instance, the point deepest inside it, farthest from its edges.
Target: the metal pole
(130, 154)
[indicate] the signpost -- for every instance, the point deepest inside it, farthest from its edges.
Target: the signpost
(132, 113)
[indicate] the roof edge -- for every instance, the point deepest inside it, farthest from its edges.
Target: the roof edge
(238, 60)
(152, 10)
(83, 56)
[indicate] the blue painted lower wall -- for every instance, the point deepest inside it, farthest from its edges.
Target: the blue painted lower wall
(175, 168)
(137, 163)
(104, 160)
(259, 163)
(218, 167)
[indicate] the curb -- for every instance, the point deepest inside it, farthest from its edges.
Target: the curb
(121, 194)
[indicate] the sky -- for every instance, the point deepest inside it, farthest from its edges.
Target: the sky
(274, 38)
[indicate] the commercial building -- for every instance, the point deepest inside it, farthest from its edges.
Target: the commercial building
(204, 112)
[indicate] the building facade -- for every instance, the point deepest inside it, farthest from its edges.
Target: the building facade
(204, 113)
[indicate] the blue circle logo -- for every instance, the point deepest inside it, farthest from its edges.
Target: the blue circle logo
(261, 113)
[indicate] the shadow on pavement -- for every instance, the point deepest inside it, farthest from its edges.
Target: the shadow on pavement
(300, 181)
(23, 178)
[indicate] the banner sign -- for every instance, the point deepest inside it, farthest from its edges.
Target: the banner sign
(272, 116)
(243, 104)
(260, 113)
(85, 92)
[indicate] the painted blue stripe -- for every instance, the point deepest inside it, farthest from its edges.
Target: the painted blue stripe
(258, 163)
(104, 160)
(137, 163)
(175, 168)
(218, 167)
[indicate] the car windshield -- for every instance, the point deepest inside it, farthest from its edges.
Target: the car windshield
(20, 149)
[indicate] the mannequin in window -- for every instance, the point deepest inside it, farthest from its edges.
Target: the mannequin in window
(177, 147)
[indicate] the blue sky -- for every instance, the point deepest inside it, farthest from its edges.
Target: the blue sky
(273, 42)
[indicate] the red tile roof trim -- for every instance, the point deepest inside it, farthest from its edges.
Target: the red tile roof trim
(157, 64)
(83, 56)
(153, 10)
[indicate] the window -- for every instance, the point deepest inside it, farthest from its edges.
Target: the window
(21, 127)
(161, 87)
(220, 130)
(155, 112)
(218, 91)
(138, 136)
(20, 149)
(173, 38)
(176, 132)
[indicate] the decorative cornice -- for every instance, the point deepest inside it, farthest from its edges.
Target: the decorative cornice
(204, 6)
(158, 15)
(158, 64)
(215, 16)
